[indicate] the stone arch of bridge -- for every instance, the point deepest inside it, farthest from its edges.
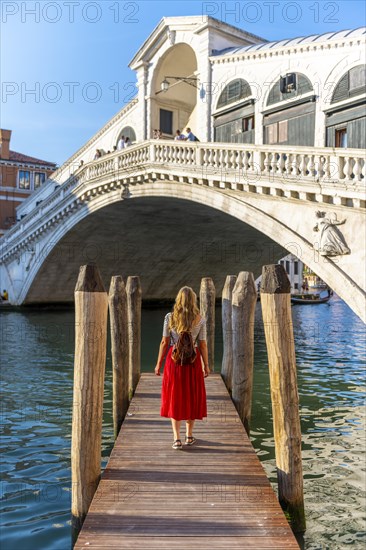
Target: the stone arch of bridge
(212, 198)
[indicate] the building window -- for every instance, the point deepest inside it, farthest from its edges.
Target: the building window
(166, 121)
(236, 90)
(341, 137)
(248, 123)
(24, 179)
(39, 179)
(303, 86)
(296, 285)
(127, 131)
(288, 267)
(351, 84)
(296, 268)
(357, 79)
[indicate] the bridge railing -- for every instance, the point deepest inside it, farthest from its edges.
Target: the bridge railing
(346, 165)
(337, 167)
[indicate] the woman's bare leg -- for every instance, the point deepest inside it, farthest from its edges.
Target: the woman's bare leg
(176, 428)
(189, 428)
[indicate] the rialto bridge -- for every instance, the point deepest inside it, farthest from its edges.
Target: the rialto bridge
(173, 212)
(282, 127)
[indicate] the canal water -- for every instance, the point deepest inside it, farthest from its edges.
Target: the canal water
(37, 376)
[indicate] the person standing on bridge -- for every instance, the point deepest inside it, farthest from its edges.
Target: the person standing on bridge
(179, 136)
(190, 135)
(121, 143)
(183, 395)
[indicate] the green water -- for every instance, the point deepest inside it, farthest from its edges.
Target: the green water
(37, 376)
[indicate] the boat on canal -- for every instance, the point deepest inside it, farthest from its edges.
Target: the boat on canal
(311, 298)
(5, 305)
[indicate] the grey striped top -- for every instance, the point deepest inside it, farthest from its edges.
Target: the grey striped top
(199, 331)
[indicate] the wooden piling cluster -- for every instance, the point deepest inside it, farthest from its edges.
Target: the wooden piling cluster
(239, 298)
(91, 316)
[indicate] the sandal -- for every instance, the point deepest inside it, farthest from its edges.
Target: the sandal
(190, 440)
(177, 444)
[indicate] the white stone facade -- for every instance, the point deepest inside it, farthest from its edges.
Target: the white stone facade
(189, 46)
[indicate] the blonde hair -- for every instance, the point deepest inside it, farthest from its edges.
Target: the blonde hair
(185, 310)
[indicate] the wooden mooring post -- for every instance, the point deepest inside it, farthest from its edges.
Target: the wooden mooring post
(91, 311)
(227, 332)
(120, 356)
(134, 301)
(207, 309)
(276, 309)
(244, 299)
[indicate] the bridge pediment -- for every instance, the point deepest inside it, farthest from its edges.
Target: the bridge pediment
(171, 30)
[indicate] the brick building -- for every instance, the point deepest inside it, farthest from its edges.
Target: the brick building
(20, 175)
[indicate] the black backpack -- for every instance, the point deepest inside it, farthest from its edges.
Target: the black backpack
(184, 351)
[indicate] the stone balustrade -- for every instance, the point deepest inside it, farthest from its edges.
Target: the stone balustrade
(261, 160)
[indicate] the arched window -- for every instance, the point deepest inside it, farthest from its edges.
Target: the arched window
(303, 85)
(235, 124)
(346, 123)
(236, 90)
(129, 132)
(351, 84)
(290, 122)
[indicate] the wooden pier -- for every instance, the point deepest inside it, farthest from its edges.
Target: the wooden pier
(212, 495)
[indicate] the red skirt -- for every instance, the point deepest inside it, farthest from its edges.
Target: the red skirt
(183, 394)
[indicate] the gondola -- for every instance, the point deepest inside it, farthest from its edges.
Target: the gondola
(309, 299)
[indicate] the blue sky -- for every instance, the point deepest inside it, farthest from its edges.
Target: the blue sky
(74, 54)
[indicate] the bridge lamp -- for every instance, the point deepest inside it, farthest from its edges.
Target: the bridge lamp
(164, 86)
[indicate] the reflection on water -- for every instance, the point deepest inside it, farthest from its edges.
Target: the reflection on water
(37, 376)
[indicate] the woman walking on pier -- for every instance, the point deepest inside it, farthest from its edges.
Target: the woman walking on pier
(183, 395)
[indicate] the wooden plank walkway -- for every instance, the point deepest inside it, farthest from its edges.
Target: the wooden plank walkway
(212, 495)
